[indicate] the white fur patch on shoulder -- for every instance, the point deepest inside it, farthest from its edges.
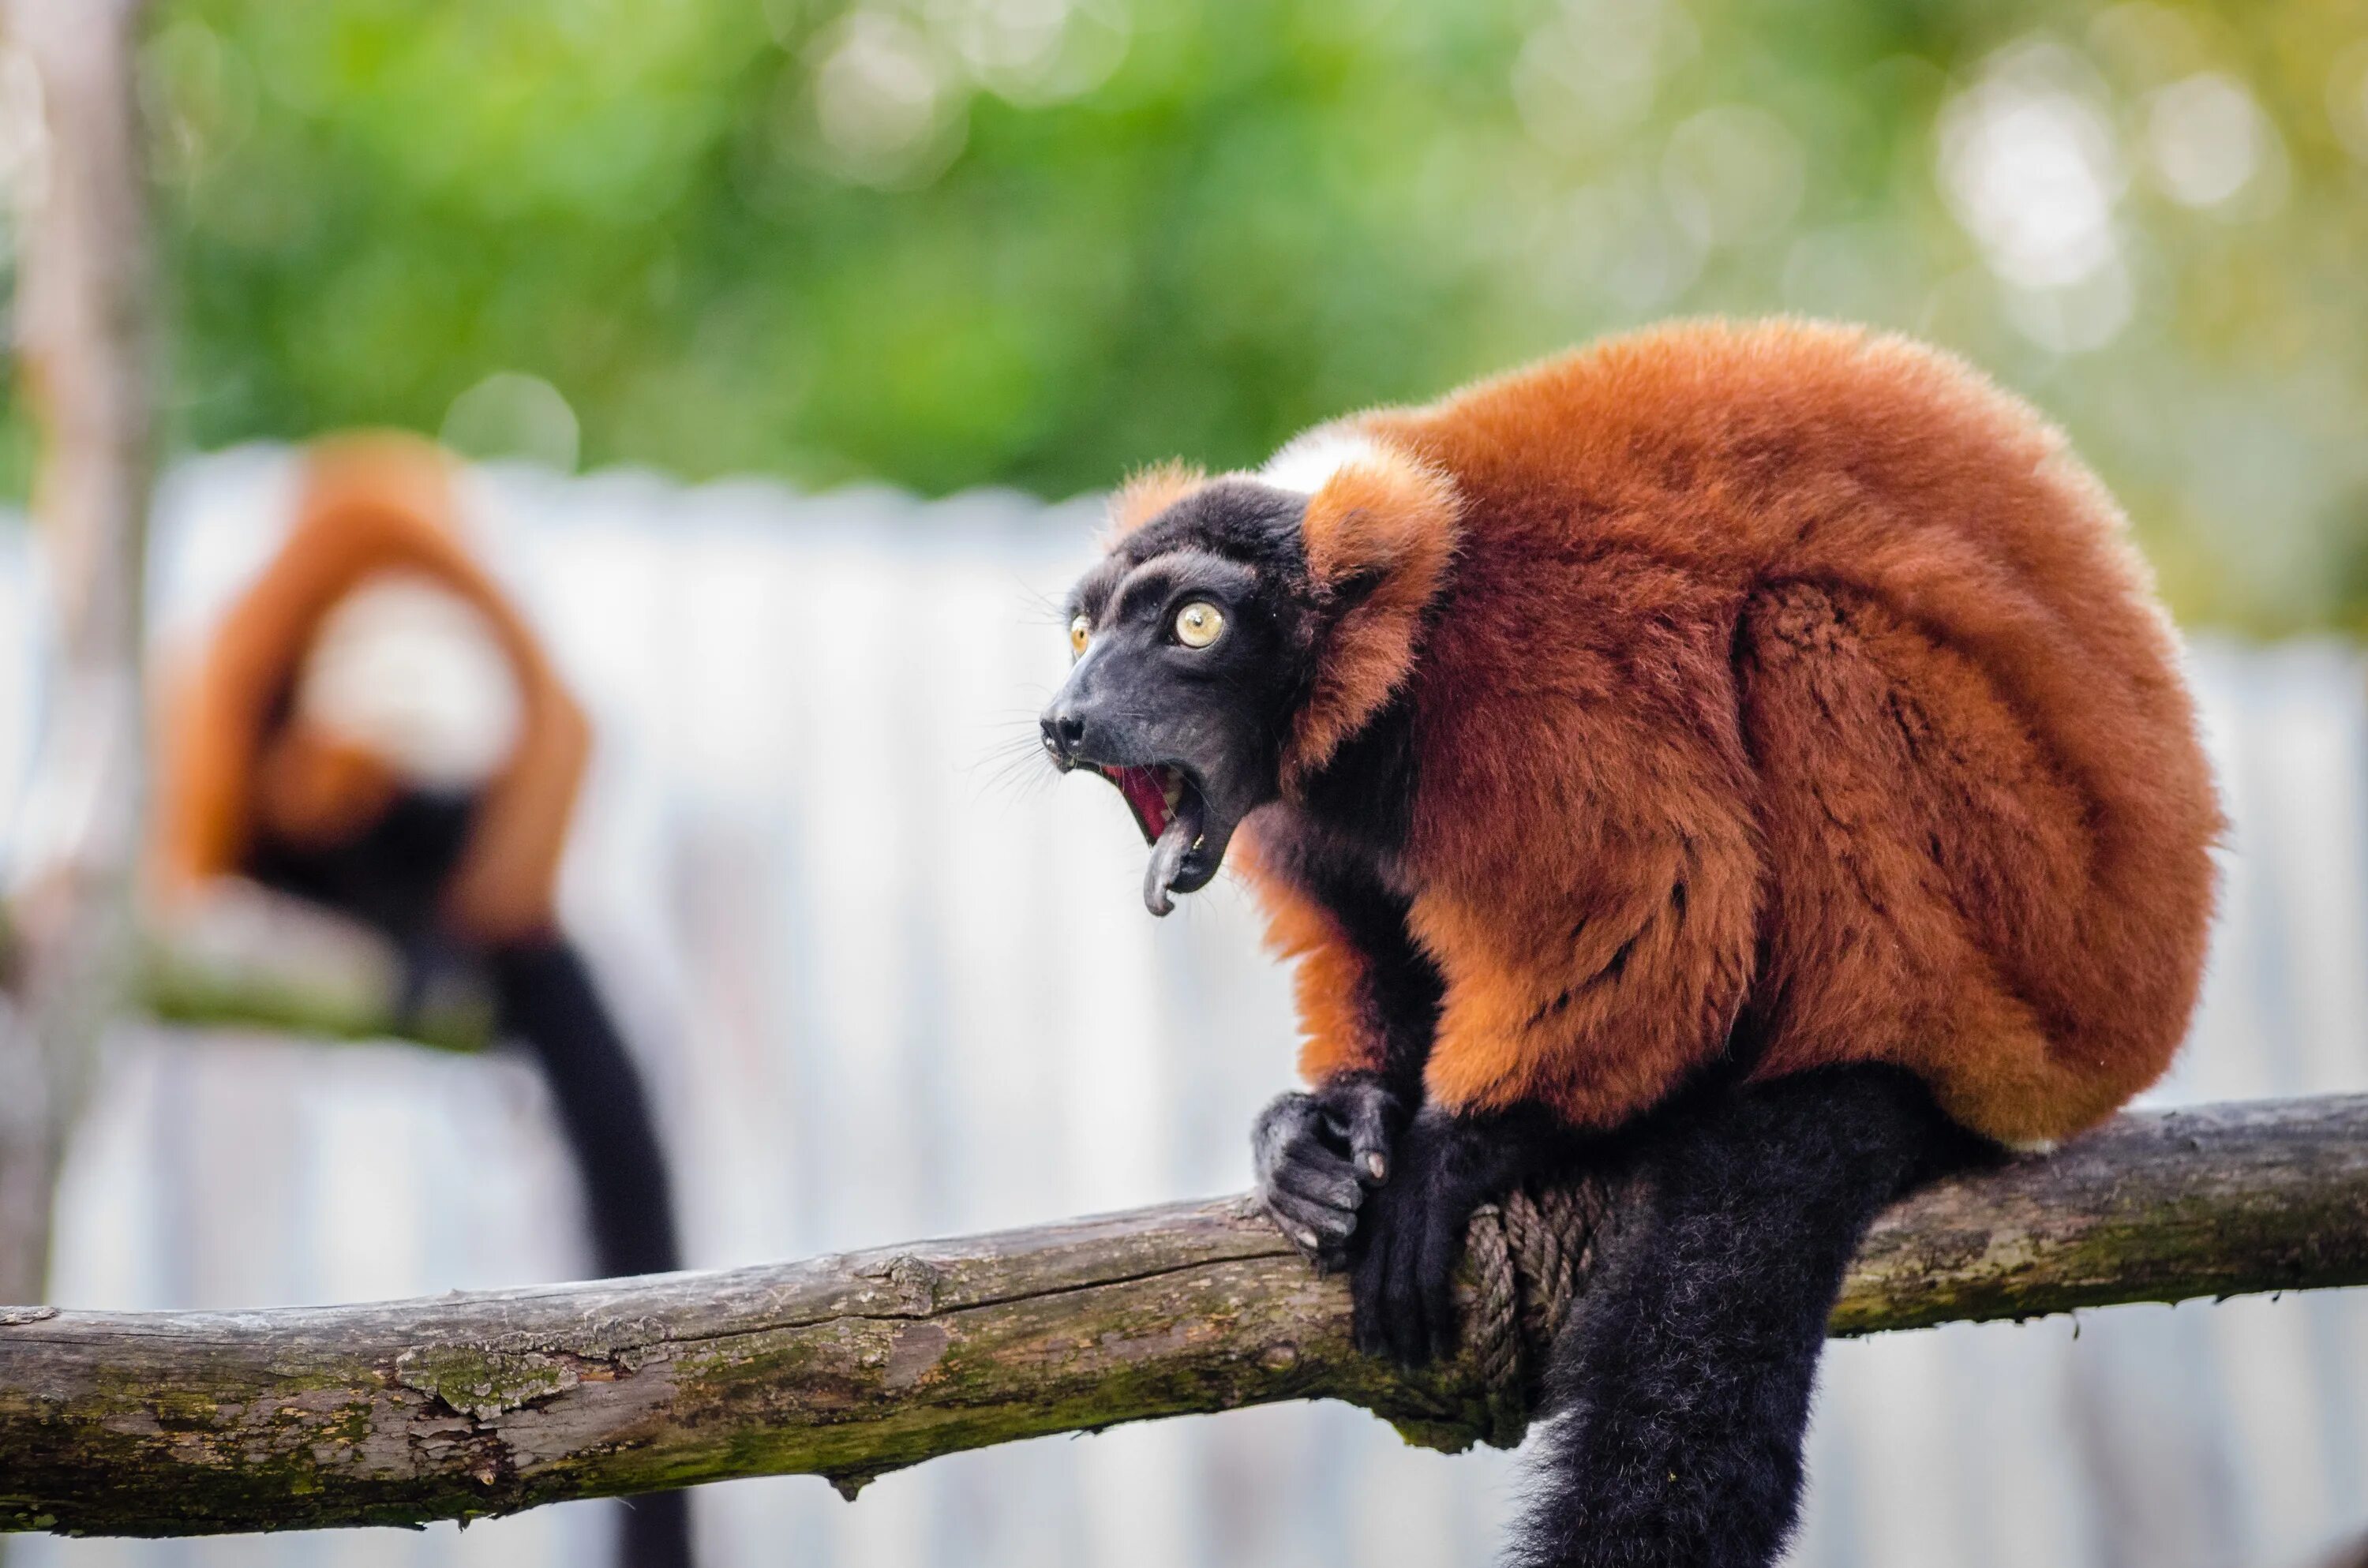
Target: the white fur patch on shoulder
(1308, 461)
(414, 673)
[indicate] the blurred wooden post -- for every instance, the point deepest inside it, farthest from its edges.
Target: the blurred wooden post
(81, 322)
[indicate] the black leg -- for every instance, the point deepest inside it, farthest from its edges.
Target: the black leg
(1411, 1232)
(1682, 1389)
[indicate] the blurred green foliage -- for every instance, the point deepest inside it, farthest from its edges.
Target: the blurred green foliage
(1036, 242)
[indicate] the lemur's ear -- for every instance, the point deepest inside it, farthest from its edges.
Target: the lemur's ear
(1381, 530)
(1151, 491)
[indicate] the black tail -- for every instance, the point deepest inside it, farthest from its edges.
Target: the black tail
(547, 1000)
(1682, 1386)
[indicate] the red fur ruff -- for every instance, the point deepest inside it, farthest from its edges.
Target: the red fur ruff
(1782, 684)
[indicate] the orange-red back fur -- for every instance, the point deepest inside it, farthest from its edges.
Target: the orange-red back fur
(1786, 678)
(368, 505)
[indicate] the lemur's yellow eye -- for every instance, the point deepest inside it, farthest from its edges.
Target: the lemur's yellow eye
(1081, 632)
(1199, 624)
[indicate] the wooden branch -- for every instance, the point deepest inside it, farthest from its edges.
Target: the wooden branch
(848, 1367)
(241, 956)
(238, 954)
(84, 357)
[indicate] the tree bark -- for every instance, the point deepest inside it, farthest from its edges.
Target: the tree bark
(848, 1367)
(82, 343)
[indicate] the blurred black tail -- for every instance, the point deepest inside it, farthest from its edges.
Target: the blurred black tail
(547, 1000)
(1682, 1386)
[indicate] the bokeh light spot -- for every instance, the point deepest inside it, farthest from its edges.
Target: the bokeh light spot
(511, 414)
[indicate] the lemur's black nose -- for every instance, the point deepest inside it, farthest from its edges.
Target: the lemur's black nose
(1064, 731)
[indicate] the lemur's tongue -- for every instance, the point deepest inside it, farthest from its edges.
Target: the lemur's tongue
(1146, 791)
(1174, 817)
(1177, 839)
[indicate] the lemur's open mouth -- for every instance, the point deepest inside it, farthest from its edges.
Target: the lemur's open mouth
(1173, 813)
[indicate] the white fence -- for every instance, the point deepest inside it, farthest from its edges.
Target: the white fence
(889, 981)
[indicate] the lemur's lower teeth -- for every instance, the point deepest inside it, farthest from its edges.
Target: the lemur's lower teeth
(1172, 786)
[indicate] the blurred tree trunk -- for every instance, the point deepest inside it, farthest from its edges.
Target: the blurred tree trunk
(82, 330)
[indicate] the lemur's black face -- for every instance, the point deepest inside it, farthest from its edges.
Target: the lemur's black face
(1192, 641)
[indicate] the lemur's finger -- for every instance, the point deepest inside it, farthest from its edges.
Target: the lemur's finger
(1289, 1123)
(1369, 1138)
(1366, 1122)
(1388, 1307)
(1410, 1288)
(1326, 1179)
(1441, 1246)
(1401, 1304)
(1295, 1230)
(1366, 1289)
(1312, 1227)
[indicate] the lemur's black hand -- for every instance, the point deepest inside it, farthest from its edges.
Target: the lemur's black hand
(1413, 1233)
(1317, 1155)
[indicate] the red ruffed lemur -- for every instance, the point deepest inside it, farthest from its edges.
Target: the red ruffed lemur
(1753, 748)
(374, 728)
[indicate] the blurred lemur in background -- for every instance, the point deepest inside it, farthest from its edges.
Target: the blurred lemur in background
(372, 728)
(1749, 751)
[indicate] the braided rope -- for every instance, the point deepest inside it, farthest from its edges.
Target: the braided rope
(1494, 1326)
(1530, 1256)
